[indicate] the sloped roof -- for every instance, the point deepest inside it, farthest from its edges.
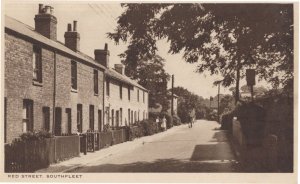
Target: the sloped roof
(116, 75)
(27, 31)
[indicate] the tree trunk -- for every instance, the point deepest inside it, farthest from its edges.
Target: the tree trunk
(237, 87)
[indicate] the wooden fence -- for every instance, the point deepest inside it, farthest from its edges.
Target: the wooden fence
(30, 156)
(66, 147)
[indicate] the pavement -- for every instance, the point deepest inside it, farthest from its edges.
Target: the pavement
(202, 148)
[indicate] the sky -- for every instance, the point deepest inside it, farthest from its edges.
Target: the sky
(95, 20)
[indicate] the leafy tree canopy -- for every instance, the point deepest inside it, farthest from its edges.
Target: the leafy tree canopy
(151, 74)
(222, 38)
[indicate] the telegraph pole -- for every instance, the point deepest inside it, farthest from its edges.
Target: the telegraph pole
(219, 102)
(172, 101)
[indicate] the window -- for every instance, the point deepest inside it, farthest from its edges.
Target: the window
(57, 125)
(96, 89)
(129, 116)
(128, 93)
(143, 115)
(121, 92)
(74, 75)
(121, 116)
(79, 118)
(107, 87)
(139, 115)
(99, 120)
(69, 120)
(135, 116)
(91, 117)
(143, 96)
(117, 118)
(112, 118)
(5, 119)
(138, 95)
(27, 115)
(46, 119)
(37, 64)
(107, 115)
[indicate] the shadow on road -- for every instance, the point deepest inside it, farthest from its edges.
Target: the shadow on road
(161, 165)
(216, 156)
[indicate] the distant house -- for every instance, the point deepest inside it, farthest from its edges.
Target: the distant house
(175, 105)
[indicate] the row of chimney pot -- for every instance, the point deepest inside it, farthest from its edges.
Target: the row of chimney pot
(45, 24)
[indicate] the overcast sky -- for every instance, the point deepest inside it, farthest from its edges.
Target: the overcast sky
(94, 21)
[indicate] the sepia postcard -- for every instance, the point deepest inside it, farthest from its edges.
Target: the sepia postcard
(155, 92)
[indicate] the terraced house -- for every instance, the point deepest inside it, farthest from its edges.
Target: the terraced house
(53, 86)
(126, 102)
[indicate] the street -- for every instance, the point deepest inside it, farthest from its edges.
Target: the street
(198, 149)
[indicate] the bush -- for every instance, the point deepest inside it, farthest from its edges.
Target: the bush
(176, 120)
(212, 116)
(35, 135)
(226, 121)
(149, 126)
(107, 128)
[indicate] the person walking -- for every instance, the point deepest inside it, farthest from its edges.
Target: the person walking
(164, 123)
(157, 123)
(191, 118)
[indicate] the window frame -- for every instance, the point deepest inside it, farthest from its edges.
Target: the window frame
(37, 64)
(129, 93)
(74, 71)
(28, 115)
(96, 82)
(107, 88)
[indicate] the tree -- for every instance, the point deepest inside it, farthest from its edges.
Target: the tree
(226, 104)
(188, 101)
(223, 38)
(151, 74)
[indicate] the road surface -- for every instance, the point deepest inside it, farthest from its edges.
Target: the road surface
(198, 149)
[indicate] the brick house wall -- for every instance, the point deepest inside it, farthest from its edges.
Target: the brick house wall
(19, 86)
(114, 102)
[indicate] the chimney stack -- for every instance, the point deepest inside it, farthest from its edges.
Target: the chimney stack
(72, 38)
(102, 56)
(46, 22)
(119, 68)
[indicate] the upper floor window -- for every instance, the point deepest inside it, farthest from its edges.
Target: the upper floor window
(121, 92)
(96, 88)
(107, 88)
(128, 93)
(143, 96)
(37, 64)
(74, 75)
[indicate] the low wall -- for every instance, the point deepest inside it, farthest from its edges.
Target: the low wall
(237, 133)
(259, 159)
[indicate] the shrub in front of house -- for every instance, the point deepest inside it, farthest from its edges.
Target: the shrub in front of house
(34, 136)
(150, 127)
(176, 120)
